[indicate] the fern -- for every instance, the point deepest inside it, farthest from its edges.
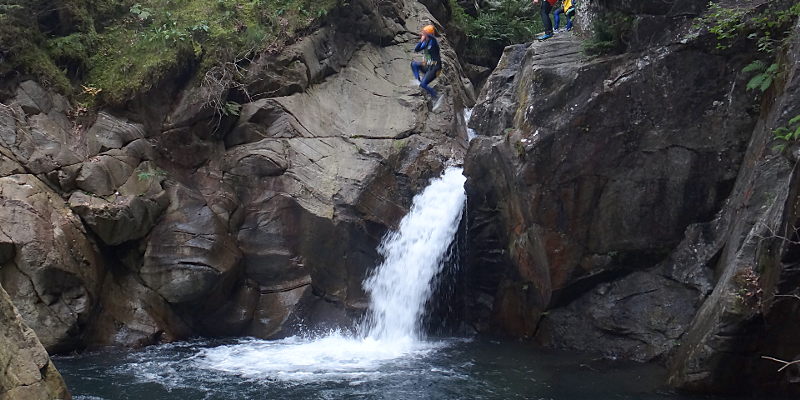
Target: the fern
(764, 76)
(787, 134)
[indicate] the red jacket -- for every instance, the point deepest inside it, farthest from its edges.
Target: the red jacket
(552, 2)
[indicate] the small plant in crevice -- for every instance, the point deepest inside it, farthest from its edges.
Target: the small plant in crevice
(765, 74)
(788, 134)
(231, 108)
(519, 147)
(151, 173)
(748, 291)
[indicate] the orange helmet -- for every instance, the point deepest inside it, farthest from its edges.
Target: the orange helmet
(429, 30)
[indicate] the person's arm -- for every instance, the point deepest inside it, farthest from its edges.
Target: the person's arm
(423, 42)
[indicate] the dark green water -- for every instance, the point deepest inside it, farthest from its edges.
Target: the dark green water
(446, 369)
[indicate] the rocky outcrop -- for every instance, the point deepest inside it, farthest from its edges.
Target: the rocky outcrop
(633, 205)
(172, 218)
(579, 184)
(27, 372)
(751, 312)
(51, 269)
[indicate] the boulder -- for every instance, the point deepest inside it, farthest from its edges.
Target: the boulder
(33, 99)
(55, 273)
(190, 252)
(109, 132)
(103, 174)
(133, 315)
(28, 372)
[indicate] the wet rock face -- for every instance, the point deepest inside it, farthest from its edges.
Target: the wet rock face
(620, 205)
(27, 370)
(602, 166)
(170, 221)
(752, 309)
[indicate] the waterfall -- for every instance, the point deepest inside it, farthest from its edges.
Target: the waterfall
(471, 134)
(413, 255)
(399, 289)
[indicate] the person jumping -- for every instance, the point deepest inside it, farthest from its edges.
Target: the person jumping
(431, 66)
(547, 5)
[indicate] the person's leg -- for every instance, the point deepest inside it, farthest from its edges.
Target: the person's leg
(557, 18)
(569, 23)
(548, 25)
(416, 66)
(430, 75)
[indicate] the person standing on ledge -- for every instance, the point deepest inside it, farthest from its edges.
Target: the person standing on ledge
(431, 66)
(569, 11)
(547, 6)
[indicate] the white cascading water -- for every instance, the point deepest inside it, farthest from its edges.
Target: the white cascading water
(471, 134)
(399, 289)
(413, 255)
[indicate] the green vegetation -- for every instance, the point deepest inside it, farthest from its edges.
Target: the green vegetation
(768, 26)
(610, 34)
(728, 24)
(152, 173)
(507, 22)
(231, 108)
(747, 290)
(765, 75)
(788, 134)
(503, 23)
(120, 48)
(725, 23)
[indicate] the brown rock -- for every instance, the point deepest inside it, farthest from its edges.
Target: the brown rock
(28, 373)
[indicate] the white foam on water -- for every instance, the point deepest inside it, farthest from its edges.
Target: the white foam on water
(331, 358)
(399, 288)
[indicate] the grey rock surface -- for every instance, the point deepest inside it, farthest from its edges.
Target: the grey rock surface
(27, 371)
(633, 205)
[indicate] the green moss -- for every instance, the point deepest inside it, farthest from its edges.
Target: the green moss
(125, 47)
(38, 64)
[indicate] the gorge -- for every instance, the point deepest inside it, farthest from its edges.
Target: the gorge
(637, 205)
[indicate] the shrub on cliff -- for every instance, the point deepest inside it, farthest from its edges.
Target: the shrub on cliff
(496, 26)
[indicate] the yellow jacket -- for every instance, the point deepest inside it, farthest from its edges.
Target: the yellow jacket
(567, 5)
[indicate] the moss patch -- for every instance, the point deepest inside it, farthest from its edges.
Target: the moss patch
(121, 48)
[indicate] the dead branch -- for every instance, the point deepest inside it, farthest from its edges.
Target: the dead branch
(786, 364)
(795, 296)
(772, 234)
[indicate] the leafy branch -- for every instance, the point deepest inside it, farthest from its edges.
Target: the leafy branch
(765, 75)
(788, 134)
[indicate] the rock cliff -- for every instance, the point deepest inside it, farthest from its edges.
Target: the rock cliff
(168, 217)
(634, 205)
